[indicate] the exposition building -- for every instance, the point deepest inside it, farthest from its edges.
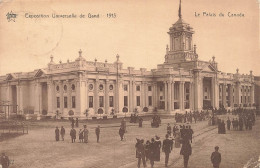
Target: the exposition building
(85, 88)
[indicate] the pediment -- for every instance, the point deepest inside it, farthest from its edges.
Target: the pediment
(209, 68)
(39, 73)
(10, 76)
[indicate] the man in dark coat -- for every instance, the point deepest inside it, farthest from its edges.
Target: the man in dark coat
(57, 134)
(228, 123)
(216, 158)
(72, 122)
(166, 148)
(186, 151)
(140, 122)
(121, 132)
(62, 132)
(140, 152)
(73, 134)
(97, 133)
(77, 122)
(4, 161)
(169, 129)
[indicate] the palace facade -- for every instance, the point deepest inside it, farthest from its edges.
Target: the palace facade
(182, 83)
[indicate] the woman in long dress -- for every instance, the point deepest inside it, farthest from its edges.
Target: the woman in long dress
(157, 148)
(178, 139)
(85, 133)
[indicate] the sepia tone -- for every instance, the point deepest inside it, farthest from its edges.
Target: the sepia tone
(100, 64)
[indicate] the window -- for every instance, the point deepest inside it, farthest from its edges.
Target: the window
(65, 88)
(57, 88)
(137, 100)
(73, 87)
(65, 102)
(138, 88)
(111, 101)
(125, 88)
(149, 88)
(245, 99)
(111, 87)
(90, 101)
(90, 86)
(150, 102)
(101, 87)
(241, 99)
(161, 88)
(101, 101)
(125, 101)
(206, 97)
(187, 97)
(161, 97)
(187, 90)
(206, 90)
(58, 102)
(73, 102)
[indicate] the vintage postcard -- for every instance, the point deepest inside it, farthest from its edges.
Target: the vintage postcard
(133, 83)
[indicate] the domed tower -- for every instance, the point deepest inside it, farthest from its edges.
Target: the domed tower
(181, 47)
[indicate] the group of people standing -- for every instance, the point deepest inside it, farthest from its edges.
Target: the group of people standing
(191, 116)
(83, 134)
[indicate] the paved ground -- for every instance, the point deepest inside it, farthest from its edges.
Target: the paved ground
(39, 149)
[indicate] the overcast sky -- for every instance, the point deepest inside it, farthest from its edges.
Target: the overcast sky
(138, 33)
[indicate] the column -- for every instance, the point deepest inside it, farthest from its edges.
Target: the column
(142, 94)
(169, 96)
(252, 95)
(50, 92)
(130, 96)
(224, 94)
(172, 95)
(238, 94)
(121, 95)
(197, 90)
(231, 95)
(86, 96)
(37, 109)
(134, 95)
(182, 108)
(190, 96)
(20, 98)
(165, 96)
(106, 96)
(96, 98)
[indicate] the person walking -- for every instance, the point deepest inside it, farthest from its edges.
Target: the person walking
(121, 132)
(77, 122)
(140, 122)
(186, 151)
(152, 152)
(97, 133)
(140, 152)
(4, 161)
(228, 124)
(85, 134)
(62, 132)
(57, 134)
(216, 158)
(167, 148)
(73, 134)
(72, 122)
(157, 146)
(169, 129)
(81, 136)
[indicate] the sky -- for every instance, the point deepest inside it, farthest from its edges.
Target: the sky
(138, 33)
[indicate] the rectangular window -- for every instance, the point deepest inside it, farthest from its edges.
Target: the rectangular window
(138, 88)
(161, 88)
(138, 100)
(149, 88)
(241, 99)
(206, 89)
(150, 101)
(90, 103)
(125, 101)
(101, 101)
(125, 87)
(111, 101)
(65, 102)
(58, 102)
(73, 102)
(161, 97)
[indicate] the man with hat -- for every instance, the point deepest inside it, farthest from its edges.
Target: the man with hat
(216, 158)
(166, 148)
(4, 161)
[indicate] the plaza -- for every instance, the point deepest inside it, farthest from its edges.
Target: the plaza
(39, 149)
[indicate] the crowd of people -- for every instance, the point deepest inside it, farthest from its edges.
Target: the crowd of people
(191, 116)
(150, 151)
